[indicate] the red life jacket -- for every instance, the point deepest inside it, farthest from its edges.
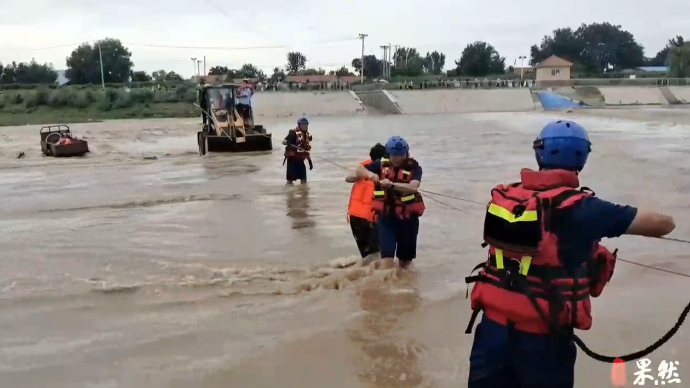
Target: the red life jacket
(405, 205)
(523, 282)
(302, 148)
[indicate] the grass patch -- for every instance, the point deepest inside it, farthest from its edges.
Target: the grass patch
(72, 105)
(70, 115)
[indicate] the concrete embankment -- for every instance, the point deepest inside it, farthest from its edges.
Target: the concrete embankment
(632, 95)
(450, 101)
(285, 104)
(682, 93)
(590, 96)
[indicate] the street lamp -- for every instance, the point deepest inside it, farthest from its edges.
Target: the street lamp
(522, 68)
(194, 72)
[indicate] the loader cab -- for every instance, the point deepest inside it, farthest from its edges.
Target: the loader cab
(219, 102)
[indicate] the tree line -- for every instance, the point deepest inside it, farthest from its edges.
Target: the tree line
(594, 49)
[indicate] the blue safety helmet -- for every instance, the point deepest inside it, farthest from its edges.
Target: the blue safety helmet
(562, 145)
(397, 146)
(303, 121)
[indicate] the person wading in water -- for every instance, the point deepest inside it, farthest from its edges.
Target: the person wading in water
(297, 147)
(359, 212)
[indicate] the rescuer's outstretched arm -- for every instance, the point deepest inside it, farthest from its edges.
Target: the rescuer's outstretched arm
(651, 224)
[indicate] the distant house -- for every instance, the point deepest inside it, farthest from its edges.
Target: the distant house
(523, 71)
(61, 80)
(553, 70)
(350, 79)
(216, 79)
(654, 69)
(325, 81)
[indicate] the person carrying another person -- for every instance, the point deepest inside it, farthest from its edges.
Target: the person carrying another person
(360, 215)
(397, 203)
(297, 149)
(244, 100)
(545, 261)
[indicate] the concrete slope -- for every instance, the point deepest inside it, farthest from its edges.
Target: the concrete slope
(380, 101)
(589, 95)
(553, 101)
(463, 101)
(668, 95)
(283, 104)
(632, 95)
(682, 93)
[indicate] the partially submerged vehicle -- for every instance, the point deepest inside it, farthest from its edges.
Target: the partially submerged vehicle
(224, 129)
(58, 141)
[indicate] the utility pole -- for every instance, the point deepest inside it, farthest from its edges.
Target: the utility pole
(383, 61)
(198, 67)
(395, 55)
(100, 55)
(362, 36)
(388, 62)
(204, 65)
(196, 79)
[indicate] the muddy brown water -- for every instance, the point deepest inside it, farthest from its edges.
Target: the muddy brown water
(207, 272)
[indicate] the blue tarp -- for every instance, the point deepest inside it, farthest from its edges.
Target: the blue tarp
(553, 101)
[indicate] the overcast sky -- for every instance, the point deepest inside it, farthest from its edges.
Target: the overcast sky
(445, 25)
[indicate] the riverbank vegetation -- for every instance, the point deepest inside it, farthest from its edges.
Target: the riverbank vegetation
(71, 104)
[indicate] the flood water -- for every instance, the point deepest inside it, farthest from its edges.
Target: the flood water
(191, 271)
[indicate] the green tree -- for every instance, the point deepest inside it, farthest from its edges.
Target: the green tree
(278, 75)
(662, 57)
(219, 70)
(434, 62)
(480, 59)
(408, 62)
(159, 75)
(139, 76)
(372, 66)
(28, 73)
(597, 47)
(310, 71)
(172, 76)
(357, 65)
(250, 71)
(343, 72)
(679, 58)
(296, 62)
(564, 43)
(609, 47)
(83, 65)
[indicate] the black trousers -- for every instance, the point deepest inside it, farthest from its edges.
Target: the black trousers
(366, 235)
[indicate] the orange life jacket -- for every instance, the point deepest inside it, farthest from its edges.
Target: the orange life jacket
(302, 148)
(361, 198)
(523, 281)
(405, 205)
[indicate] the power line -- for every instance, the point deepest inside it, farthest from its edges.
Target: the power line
(239, 48)
(222, 11)
(153, 45)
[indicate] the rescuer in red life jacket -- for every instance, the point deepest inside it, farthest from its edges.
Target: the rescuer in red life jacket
(397, 203)
(545, 261)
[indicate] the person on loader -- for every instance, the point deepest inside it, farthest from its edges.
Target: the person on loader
(297, 150)
(544, 262)
(244, 100)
